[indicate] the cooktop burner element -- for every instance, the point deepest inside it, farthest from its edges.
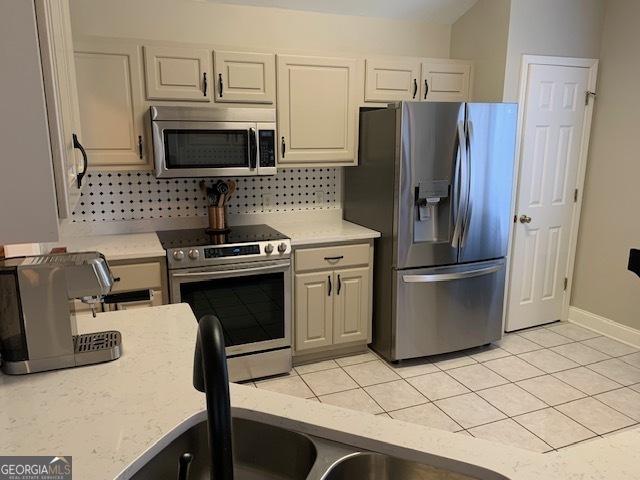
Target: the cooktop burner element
(196, 247)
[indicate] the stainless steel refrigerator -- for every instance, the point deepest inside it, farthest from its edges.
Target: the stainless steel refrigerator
(435, 178)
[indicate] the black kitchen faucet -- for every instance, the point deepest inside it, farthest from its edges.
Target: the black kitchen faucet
(211, 377)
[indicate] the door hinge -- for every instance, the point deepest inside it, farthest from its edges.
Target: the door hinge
(566, 282)
(575, 195)
(588, 94)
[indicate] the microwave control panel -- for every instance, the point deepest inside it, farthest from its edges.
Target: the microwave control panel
(267, 139)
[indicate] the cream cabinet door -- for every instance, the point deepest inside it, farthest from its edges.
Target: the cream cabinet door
(392, 80)
(177, 73)
(446, 81)
(244, 77)
(351, 305)
(317, 108)
(58, 69)
(313, 310)
(110, 99)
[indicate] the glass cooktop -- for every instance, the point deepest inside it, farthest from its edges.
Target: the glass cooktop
(198, 237)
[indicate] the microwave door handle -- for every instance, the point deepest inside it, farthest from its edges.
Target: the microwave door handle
(253, 148)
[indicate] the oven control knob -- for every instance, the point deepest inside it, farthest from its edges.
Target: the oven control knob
(194, 254)
(178, 255)
(282, 247)
(268, 248)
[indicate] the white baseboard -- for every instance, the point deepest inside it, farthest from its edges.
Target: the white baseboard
(605, 326)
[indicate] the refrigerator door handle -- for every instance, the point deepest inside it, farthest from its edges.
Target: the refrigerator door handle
(459, 182)
(445, 277)
(467, 208)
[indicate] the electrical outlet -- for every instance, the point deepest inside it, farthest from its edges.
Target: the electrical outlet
(268, 201)
(318, 197)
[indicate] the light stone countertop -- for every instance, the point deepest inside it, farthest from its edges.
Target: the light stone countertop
(126, 246)
(322, 230)
(316, 229)
(112, 417)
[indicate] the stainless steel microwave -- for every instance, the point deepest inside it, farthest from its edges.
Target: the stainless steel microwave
(213, 142)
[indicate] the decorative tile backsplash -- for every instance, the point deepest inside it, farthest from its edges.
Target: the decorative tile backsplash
(137, 195)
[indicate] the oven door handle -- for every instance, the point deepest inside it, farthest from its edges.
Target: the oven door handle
(221, 273)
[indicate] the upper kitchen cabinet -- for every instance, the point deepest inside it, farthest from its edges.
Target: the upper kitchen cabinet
(392, 80)
(58, 70)
(317, 107)
(111, 106)
(446, 81)
(244, 77)
(177, 73)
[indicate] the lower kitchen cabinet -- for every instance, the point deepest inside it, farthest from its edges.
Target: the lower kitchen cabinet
(313, 310)
(136, 275)
(351, 311)
(332, 297)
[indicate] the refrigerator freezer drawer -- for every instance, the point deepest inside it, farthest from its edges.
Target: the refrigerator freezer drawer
(444, 309)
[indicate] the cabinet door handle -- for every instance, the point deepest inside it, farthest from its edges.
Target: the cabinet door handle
(78, 145)
(426, 88)
(329, 280)
(140, 146)
(415, 87)
(284, 147)
(204, 84)
(339, 285)
(220, 85)
(339, 257)
(253, 149)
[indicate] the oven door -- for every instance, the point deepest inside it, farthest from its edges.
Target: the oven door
(252, 302)
(205, 149)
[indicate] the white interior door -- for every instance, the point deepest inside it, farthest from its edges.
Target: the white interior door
(554, 137)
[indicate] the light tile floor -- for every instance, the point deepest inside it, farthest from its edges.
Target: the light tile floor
(542, 389)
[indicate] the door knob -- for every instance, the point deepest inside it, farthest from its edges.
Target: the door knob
(525, 219)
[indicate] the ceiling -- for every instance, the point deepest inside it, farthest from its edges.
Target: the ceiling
(435, 11)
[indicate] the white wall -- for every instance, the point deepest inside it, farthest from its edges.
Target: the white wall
(568, 28)
(481, 35)
(256, 27)
(28, 211)
(610, 223)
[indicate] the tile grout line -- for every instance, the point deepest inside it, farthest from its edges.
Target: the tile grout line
(365, 392)
(476, 362)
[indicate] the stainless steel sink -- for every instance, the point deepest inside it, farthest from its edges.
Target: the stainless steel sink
(265, 452)
(261, 451)
(375, 466)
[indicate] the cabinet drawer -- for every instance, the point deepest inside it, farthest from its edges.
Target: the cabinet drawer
(137, 276)
(331, 257)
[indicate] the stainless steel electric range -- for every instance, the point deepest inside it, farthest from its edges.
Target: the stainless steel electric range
(244, 278)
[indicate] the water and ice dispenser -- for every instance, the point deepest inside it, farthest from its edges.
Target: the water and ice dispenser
(432, 219)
